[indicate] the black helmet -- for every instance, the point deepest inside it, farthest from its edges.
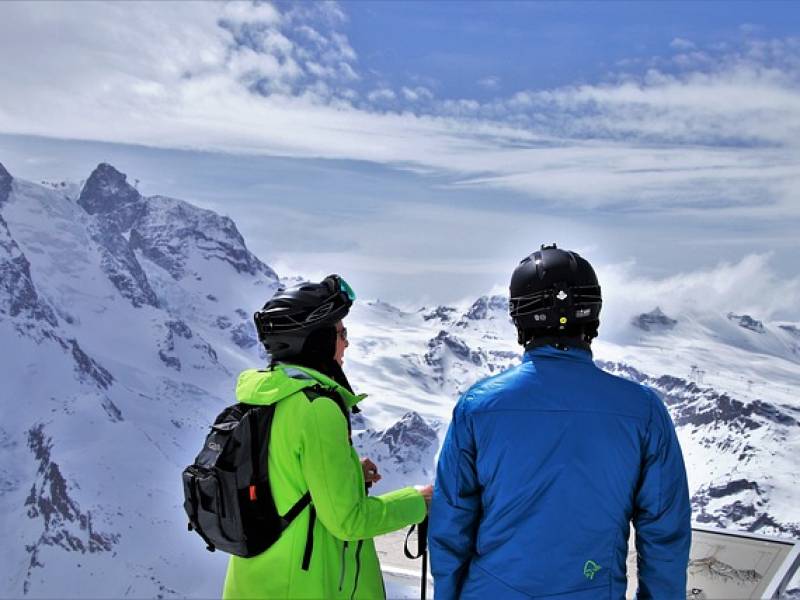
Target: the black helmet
(292, 314)
(555, 293)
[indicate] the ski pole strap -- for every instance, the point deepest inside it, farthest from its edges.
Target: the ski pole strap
(422, 539)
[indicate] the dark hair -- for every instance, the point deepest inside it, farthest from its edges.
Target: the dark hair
(317, 353)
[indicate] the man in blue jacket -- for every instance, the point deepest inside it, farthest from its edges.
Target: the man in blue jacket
(546, 465)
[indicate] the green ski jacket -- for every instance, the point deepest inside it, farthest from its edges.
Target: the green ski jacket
(309, 450)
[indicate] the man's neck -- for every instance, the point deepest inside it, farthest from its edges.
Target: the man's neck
(559, 342)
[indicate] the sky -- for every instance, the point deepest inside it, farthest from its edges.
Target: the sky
(423, 149)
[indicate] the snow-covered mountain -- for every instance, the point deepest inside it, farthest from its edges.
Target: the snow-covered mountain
(124, 320)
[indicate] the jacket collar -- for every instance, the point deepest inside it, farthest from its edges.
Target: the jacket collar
(265, 387)
(312, 376)
(569, 353)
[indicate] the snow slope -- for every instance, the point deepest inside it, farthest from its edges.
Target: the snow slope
(123, 323)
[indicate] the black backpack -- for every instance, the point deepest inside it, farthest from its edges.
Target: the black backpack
(226, 491)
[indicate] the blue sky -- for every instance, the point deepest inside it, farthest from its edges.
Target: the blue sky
(540, 45)
(423, 148)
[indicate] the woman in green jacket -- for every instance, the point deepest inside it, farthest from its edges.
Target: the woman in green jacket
(327, 551)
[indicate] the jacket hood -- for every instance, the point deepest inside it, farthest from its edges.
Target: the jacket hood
(267, 387)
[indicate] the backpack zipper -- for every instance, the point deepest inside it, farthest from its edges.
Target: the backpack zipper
(358, 567)
(341, 573)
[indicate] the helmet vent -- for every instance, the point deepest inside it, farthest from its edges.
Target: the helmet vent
(319, 312)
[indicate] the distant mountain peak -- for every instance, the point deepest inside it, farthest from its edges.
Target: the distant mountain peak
(442, 313)
(747, 322)
(385, 306)
(485, 305)
(410, 431)
(106, 190)
(5, 184)
(655, 319)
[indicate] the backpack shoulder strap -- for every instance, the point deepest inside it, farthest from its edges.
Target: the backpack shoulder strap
(317, 391)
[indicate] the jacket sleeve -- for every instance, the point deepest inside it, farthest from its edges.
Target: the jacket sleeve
(662, 512)
(336, 481)
(455, 509)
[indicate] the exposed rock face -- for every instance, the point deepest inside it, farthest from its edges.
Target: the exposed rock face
(172, 230)
(167, 232)
(18, 295)
(63, 523)
(485, 306)
(88, 367)
(178, 333)
(747, 322)
(442, 313)
(108, 192)
(454, 344)
(791, 329)
(411, 432)
(357, 421)
(655, 320)
(410, 444)
(119, 263)
(116, 205)
(5, 185)
(244, 335)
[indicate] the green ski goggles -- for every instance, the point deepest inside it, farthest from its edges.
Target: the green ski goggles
(339, 286)
(345, 287)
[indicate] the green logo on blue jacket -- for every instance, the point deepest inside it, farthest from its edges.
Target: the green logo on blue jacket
(590, 569)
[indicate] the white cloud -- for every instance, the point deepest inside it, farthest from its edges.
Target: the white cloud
(381, 95)
(326, 11)
(688, 60)
(242, 11)
(682, 44)
(726, 135)
(463, 107)
(313, 35)
(343, 48)
(416, 94)
(490, 83)
(737, 287)
(347, 72)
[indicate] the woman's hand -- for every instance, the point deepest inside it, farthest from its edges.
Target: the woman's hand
(370, 469)
(427, 493)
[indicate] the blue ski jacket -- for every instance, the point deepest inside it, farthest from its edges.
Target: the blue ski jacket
(542, 470)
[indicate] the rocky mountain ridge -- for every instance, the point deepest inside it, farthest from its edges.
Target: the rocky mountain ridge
(124, 320)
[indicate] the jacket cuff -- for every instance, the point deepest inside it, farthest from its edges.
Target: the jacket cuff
(408, 504)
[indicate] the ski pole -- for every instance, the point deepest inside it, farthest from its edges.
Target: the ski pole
(422, 552)
(422, 541)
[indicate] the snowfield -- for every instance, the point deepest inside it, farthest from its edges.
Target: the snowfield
(125, 319)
